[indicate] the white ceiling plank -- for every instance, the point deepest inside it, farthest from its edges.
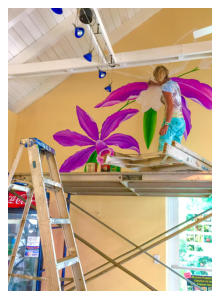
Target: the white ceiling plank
(9, 55)
(44, 41)
(58, 49)
(23, 32)
(39, 22)
(130, 12)
(69, 51)
(69, 42)
(67, 12)
(52, 54)
(107, 19)
(20, 44)
(191, 51)
(74, 43)
(13, 47)
(142, 16)
(123, 15)
(47, 16)
(43, 56)
(37, 93)
(16, 15)
(34, 30)
(34, 59)
(116, 17)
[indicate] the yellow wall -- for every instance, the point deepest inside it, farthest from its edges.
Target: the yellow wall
(138, 218)
(12, 125)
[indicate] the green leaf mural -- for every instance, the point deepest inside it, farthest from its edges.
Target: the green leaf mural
(149, 126)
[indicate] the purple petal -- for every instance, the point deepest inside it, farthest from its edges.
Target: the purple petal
(77, 160)
(114, 120)
(102, 149)
(69, 138)
(126, 92)
(87, 123)
(123, 141)
(187, 117)
(199, 92)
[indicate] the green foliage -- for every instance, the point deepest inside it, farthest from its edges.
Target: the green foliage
(149, 126)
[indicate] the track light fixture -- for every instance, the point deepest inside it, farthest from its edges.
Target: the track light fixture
(79, 31)
(109, 87)
(85, 15)
(57, 11)
(88, 56)
(102, 74)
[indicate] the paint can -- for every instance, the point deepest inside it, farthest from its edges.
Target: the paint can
(91, 167)
(105, 168)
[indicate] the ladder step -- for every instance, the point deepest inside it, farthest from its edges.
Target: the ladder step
(59, 220)
(26, 277)
(19, 188)
(42, 145)
(67, 261)
(51, 184)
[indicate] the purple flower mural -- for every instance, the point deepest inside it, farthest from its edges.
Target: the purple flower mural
(95, 141)
(200, 93)
(190, 88)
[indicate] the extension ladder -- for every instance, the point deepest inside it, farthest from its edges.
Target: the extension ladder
(36, 151)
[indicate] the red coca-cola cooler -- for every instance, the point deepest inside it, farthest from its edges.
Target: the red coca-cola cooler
(29, 256)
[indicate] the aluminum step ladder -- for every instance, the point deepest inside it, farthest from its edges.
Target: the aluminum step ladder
(36, 151)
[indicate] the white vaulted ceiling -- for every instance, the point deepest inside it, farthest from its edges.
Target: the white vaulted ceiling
(43, 51)
(38, 34)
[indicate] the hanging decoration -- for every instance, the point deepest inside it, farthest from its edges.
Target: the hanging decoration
(97, 142)
(149, 98)
(57, 11)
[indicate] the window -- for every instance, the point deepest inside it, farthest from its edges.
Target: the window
(189, 253)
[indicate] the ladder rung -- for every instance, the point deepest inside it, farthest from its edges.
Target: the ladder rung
(59, 220)
(51, 184)
(19, 188)
(26, 277)
(67, 261)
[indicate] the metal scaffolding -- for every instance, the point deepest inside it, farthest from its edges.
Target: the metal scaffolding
(188, 183)
(198, 218)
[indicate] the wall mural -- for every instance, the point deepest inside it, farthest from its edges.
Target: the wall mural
(149, 97)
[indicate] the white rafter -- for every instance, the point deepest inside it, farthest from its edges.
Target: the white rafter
(167, 54)
(104, 34)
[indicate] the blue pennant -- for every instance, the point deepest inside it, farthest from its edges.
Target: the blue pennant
(88, 56)
(102, 74)
(79, 32)
(58, 11)
(108, 88)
